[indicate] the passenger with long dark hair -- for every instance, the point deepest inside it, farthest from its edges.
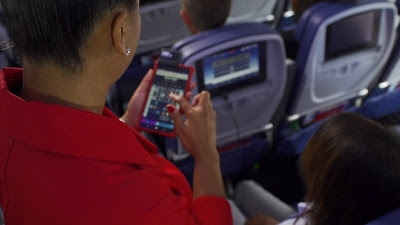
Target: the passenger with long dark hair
(351, 169)
(67, 160)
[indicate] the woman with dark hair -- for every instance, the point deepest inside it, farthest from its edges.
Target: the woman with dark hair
(351, 168)
(64, 158)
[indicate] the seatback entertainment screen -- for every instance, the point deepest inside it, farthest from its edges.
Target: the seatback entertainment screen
(352, 34)
(231, 69)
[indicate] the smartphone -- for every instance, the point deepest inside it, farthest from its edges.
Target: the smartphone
(166, 79)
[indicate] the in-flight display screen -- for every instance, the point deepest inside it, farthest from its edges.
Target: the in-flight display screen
(352, 34)
(231, 69)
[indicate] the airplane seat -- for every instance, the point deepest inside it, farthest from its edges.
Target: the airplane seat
(343, 49)
(390, 218)
(384, 98)
(294, 144)
(243, 67)
(238, 159)
(383, 105)
(162, 27)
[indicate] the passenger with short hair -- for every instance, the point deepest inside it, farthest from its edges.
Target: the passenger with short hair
(202, 15)
(351, 169)
(67, 160)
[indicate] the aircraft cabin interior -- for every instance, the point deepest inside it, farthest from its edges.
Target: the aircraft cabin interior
(274, 79)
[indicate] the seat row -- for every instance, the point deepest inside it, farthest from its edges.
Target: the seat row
(346, 62)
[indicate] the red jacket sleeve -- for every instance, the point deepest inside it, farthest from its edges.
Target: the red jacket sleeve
(212, 210)
(172, 210)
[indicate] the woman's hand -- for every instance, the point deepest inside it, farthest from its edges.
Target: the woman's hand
(261, 219)
(132, 114)
(198, 132)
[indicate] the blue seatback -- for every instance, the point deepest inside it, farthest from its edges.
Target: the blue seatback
(392, 218)
(243, 112)
(295, 144)
(306, 17)
(384, 98)
(323, 82)
(248, 109)
(391, 73)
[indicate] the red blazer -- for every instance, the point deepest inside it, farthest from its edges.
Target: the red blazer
(63, 166)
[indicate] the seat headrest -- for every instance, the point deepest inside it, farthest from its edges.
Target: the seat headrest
(301, 26)
(220, 35)
(204, 34)
(233, 30)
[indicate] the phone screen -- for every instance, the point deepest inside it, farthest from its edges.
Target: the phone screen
(155, 114)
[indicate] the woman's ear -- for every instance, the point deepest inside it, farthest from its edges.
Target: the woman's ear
(120, 32)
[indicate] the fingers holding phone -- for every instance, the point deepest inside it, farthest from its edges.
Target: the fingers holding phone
(166, 79)
(197, 132)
